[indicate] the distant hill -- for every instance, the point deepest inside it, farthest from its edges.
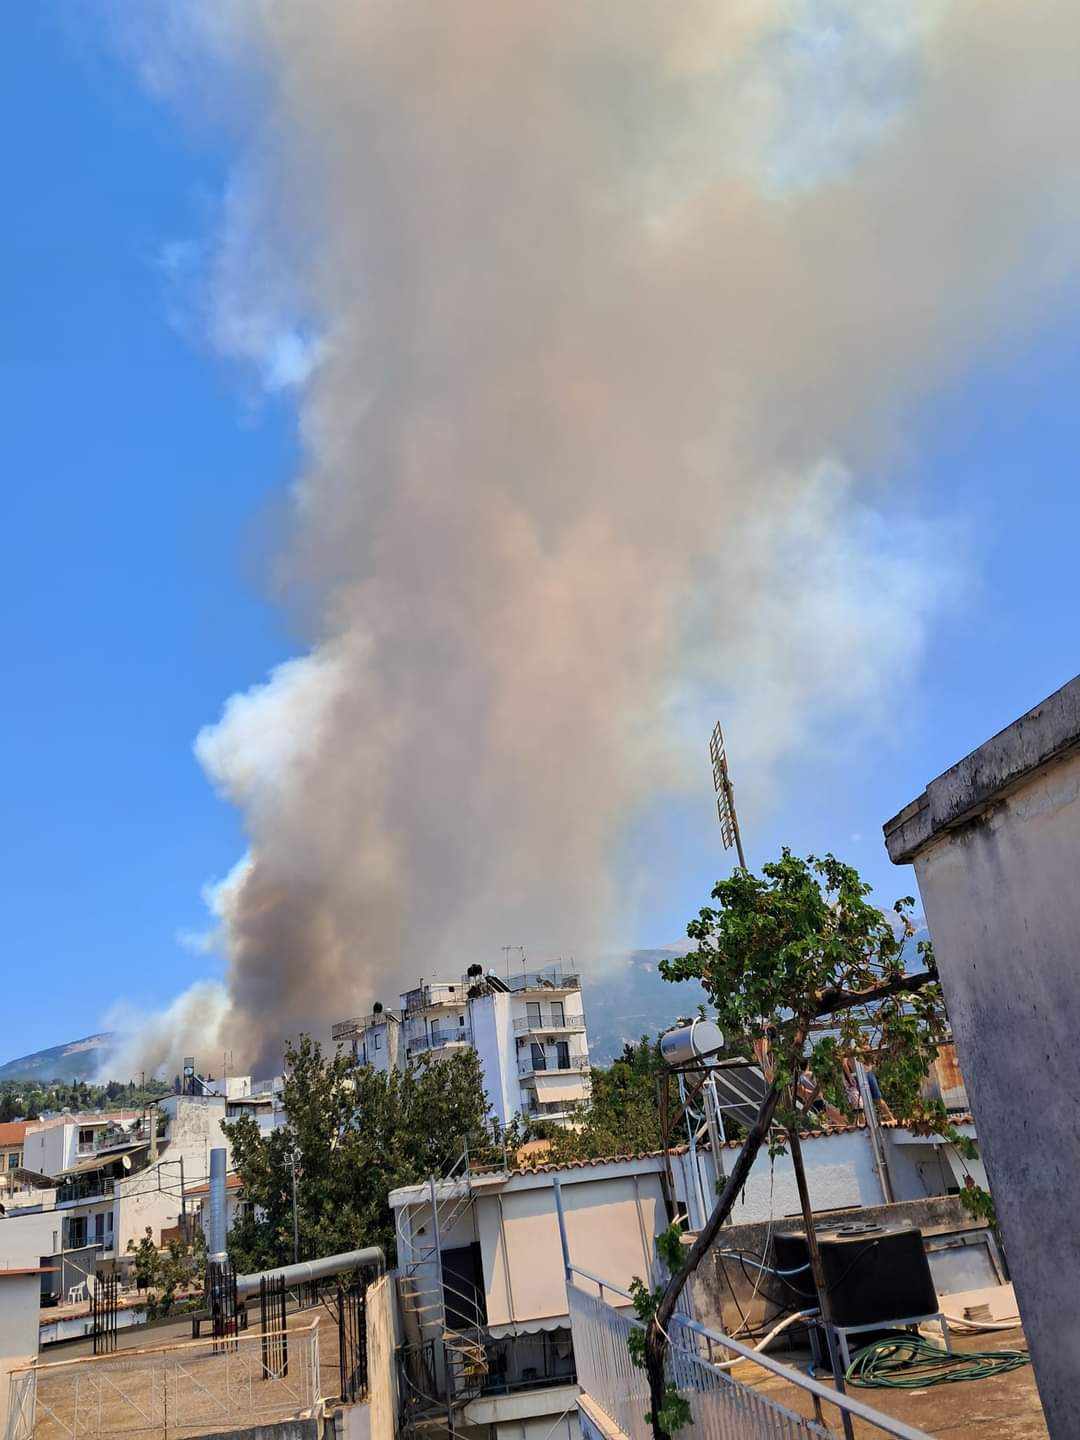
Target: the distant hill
(78, 1060)
(627, 997)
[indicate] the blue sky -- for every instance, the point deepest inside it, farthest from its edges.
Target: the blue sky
(142, 475)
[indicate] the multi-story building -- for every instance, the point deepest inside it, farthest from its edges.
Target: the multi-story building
(528, 1031)
(12, 1135)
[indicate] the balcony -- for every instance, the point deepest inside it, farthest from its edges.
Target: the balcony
(549, 1021)
(438, 1040)
(429, 997)
(529, 1064)
(86, 1187)
(554, 1109)
(546, 981)
(346, 1029)
(529, 1362)
(115, 1137)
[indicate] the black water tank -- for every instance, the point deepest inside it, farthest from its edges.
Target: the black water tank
(874, 1272)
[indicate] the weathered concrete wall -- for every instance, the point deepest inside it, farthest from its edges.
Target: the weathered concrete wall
(383, 1338)
(20, 1299)
(996, 848)
(26, 1237)
(280, 1430)
(723, 1294)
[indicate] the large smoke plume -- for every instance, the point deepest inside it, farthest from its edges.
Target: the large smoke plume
(601, 316)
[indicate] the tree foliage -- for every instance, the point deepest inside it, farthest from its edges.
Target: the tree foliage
(802, 944)
(795, 953)
(352, 1135)
(30, 1099)
(162, 1273)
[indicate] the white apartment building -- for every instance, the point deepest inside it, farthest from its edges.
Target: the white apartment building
(528, 1031)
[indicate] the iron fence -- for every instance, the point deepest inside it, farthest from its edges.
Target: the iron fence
(103, 1308)
(170, 1391)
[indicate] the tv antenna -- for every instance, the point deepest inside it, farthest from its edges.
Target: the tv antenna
(725, 795)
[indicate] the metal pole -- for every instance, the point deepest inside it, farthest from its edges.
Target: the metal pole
(295, 1218)
(873, 1130)
(560, 1214)
(183, 1204)
(816, 1267)
(715, 1121)
(729, 791)
(442, 1304)
(699, 1189)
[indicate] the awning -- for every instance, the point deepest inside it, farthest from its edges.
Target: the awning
(530, 1327)
(559, 1087)
(100, 1162)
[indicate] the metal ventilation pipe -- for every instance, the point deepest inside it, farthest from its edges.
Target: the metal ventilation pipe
(308, 1270)
(216, 1238)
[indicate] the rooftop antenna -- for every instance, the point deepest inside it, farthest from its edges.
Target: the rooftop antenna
(729, 833)
(725, 795)
(506, 959)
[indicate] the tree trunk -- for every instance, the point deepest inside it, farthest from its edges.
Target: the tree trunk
(655, 1337)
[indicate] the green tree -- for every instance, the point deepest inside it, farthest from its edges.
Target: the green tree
(352, 1135)
(622, 1115)
(779, 955)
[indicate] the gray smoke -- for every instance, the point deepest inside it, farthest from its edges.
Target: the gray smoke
(605, 322)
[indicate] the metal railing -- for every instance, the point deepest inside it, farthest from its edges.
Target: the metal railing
(196, 1387)
(438, 1040)
(721, 1406)
(547, 1020)
(94, 1187)
(528, 1064)
(437, 993)
(346, 1029)
(553, 979)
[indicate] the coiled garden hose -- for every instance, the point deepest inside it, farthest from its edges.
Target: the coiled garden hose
(908, 1362)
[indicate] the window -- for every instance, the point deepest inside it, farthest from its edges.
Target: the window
(562, 1050)
(75, 1237)
(99, 1228)
(558, 1015)
(86, 1138)
(532, 1010)
(13, 1160)
(377, 1041)
(461, 1020)
(539, 1059)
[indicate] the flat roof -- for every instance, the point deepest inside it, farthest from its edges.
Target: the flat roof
(1048, 733)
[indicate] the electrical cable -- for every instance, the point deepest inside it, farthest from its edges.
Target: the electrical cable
(903, 1361)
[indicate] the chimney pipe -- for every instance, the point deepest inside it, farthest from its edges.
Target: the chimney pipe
(217, 1205)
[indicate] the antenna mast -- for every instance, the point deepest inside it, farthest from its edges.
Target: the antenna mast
(725, 795)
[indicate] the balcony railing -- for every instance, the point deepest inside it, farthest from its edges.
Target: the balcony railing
(346, 1029)
(140, 1133)
(548, 1020)
(553, 1109)
(86, 1187)
(529, 1064)
(552, 979)
(439, 1040)
(425, 996)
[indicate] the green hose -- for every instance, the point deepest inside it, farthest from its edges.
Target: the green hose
(908, 1362)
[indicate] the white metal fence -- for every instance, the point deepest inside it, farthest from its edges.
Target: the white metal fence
(193, 1388)
(722, 1408)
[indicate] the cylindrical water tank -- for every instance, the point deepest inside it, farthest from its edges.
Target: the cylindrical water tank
(216, 1238)
(687, 1043)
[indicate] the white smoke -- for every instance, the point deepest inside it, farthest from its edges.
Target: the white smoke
(601, 316)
